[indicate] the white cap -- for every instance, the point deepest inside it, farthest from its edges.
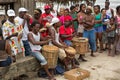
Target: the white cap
(54, 20)
(22, 9)
(11, 12)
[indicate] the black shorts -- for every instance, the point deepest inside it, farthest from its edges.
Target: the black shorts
(111, 40)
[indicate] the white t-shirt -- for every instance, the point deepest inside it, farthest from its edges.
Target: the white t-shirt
(109, 13)
(25, 29)
(37, 38)
(54, 14)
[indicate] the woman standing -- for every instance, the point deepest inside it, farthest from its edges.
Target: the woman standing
(98, 25)
(80, 17)
(116, 47)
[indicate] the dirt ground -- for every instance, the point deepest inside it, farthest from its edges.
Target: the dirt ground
(101, 67)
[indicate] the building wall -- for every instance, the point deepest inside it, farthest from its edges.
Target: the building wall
(28, 4)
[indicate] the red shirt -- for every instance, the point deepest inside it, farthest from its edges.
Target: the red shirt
(66, 31)
(47, 17)
(65, 18)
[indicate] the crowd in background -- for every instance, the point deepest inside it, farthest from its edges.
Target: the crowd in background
(25, 34)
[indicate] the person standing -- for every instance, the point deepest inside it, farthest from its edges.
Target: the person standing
(111, 35)
(80, 17)
(74, 17)
(109, 11)
(98, 26)
(46, 17)
(105, 23)
(13, 32)
(5, 52)
(52, 10)
(23, 20)
(89, 32)
(116, 47)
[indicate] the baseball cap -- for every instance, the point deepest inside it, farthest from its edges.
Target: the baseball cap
(47, 7)
(54, 20)
(11, 12)
(22, 9)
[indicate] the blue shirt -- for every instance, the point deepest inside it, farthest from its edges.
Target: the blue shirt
(104, 19)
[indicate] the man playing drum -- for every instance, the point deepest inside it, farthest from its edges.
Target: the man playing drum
(54, 33)
(34, 38)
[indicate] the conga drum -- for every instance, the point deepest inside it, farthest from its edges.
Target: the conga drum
(70, 51)
(50, 52)
(80, 44)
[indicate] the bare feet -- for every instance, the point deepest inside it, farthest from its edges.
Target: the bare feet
(75, 66)
(112, 55)
(82, 59)
(101, 51)
(92, 55)
(52, 78)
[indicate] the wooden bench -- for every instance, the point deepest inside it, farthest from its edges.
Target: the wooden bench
(21, 66)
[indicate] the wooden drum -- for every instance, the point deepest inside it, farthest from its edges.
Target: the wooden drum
(50, 52)
(70, 51)
(80, 44)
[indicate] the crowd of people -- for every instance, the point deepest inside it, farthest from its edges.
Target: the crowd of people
(25, 34)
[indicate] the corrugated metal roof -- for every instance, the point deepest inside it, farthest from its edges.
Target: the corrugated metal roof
(7, 1)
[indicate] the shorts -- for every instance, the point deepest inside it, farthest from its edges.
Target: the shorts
(99, 29)
(61, 54)
(111, 40)
(80, 28)
(39, 57)
(68, 42)
(104, 38)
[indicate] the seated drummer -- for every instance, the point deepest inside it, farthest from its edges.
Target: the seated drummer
(54, 33)
(35, 42)
(67, 32)
(5, 52)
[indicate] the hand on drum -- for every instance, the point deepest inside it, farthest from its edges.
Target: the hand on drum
(74, 34)
(65, 46)
(48, 37)
(47, 41)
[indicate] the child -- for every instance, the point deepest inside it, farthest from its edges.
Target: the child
(110, 35)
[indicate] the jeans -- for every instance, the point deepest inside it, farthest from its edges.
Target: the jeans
(68, 42)
(39, 57)
(90, 34)
(5, 63)
(27, 48)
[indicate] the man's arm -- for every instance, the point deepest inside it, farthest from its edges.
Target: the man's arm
(32, 40)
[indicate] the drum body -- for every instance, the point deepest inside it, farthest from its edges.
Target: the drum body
(80, 44)
(70, 51)
(50, 52)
